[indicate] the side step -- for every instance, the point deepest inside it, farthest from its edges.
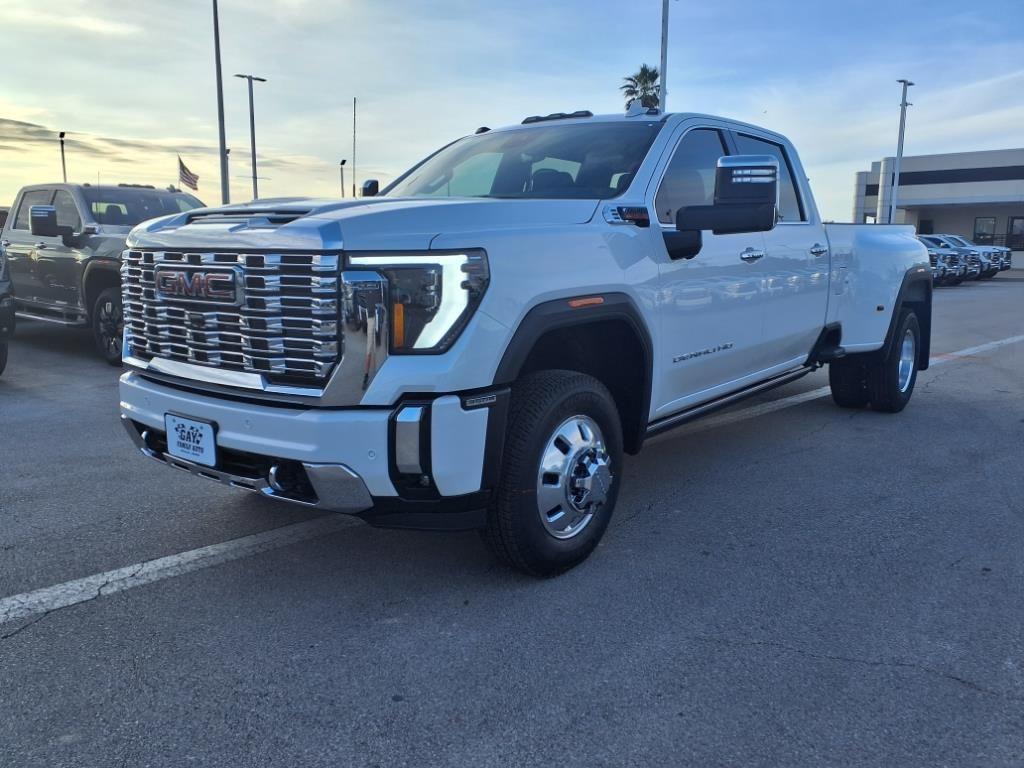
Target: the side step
(830, 353)
(72, 320)
(683, 417)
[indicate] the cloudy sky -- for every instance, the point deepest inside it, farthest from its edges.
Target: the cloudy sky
(132, 82)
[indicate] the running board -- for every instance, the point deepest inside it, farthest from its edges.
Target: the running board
(78, 321)
(683, 417)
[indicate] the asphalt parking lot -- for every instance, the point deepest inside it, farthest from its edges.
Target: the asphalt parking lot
(785, 584)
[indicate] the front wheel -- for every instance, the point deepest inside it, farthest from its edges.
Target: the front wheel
(560, 476)
(108, 325)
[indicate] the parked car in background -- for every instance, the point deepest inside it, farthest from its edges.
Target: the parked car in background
(64, 244)
(976, 265)
(1000, 257)
(4, 210)
(6, 310)
(948, 266)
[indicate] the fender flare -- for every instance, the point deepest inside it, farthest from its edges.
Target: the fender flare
(558, 314)
(916, 277)
(98, 265)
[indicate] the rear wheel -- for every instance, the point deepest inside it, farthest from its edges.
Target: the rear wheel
(108, 325)
(560, 477)
(884, 380)
(847, 378)
(891, 378)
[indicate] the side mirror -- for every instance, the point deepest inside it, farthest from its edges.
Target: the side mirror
(746, 198)
(370, 188)
(43, 221)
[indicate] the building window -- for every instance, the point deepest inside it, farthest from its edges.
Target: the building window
(1015, 233)
(926, 227)
(984, 230)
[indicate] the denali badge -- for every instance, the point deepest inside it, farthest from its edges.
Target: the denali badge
(198, 285)
(702, 352)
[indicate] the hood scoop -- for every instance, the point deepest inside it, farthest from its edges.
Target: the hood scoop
(251, 218)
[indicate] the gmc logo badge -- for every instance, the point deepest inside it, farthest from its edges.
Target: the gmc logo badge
(198, 285)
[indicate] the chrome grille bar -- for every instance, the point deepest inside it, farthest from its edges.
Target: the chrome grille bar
(285, 323)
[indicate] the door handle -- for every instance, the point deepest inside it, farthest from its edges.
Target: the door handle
(39, 246)
(5, 243)
(750, 255)
(818, 250)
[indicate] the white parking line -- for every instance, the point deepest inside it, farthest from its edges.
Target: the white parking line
(90, 587)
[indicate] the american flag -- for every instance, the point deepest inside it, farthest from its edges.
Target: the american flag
(186, 177)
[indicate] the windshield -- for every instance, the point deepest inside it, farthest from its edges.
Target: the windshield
(128, 206)
(567, 161)
(956, 240)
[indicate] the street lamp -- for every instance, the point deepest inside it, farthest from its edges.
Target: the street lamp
(252, 130)
(341, 169)
(899, 151)
(225, 189)
(63, 166)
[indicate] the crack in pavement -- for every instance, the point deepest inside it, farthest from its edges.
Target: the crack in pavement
(895, 664)
(99, 593)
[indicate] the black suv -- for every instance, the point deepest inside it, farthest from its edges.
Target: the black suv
(63, 244)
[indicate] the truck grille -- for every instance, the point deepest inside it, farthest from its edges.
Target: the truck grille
(281, 320)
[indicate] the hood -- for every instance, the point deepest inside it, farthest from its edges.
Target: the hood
(378, 223)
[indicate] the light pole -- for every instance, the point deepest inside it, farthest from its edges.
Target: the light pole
(663, 72)
(341, 169)
(899, 151)
(252, 131)
(353, 146)
(63, 166)
(225, 189)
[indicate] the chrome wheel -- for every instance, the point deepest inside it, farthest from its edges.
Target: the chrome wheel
(574, 479)
(908, 357)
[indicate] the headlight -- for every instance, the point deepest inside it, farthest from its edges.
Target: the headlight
(431, 296)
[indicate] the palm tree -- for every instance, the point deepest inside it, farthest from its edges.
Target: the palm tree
(642, 87)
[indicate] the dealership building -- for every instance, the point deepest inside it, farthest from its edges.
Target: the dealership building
(978, 195)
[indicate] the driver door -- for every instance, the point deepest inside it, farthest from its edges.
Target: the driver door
(710, 306)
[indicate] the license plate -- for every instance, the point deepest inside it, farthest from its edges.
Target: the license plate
(191, 439)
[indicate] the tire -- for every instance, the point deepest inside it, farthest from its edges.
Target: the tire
(108, 325)
(545, 408)
(891, 378)
(847, 378)
(3, 356)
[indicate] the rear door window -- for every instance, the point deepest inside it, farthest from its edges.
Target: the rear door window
(790, 206)
(30, 198)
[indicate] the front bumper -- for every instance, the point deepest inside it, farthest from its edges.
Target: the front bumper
(349, 460)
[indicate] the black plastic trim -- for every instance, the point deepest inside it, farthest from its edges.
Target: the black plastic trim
(451, 513)
(557, 314)
(919, 274)
(494, 446)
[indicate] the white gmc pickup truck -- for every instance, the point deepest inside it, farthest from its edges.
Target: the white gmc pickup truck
(479, 344)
